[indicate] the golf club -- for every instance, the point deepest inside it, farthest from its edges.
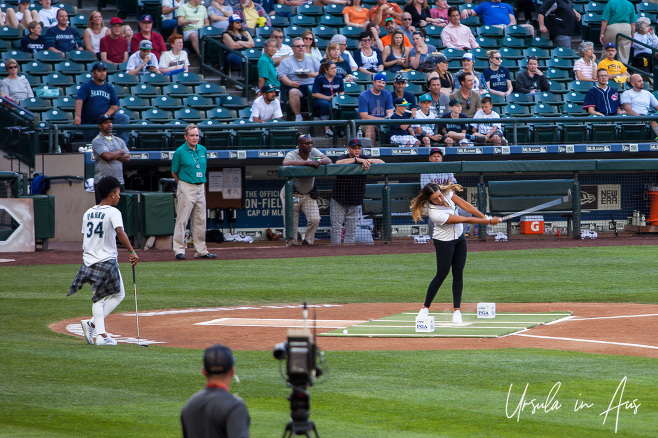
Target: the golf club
(558, 201)
(136, 313)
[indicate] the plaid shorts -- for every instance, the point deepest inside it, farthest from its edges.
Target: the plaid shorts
(104, 278)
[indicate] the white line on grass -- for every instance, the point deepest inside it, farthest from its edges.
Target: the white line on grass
(615, 317)
(626, 344)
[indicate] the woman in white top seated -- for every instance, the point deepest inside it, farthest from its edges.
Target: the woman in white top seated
(95, 30)
(175, 60)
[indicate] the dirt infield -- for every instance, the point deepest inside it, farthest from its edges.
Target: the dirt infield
(618, 329)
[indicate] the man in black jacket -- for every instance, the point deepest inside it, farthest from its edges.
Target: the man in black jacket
(532, 80)
(561, 17)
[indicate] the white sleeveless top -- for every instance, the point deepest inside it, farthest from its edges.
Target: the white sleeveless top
(96, 39)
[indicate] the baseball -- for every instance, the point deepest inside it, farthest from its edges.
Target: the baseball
(345, 331)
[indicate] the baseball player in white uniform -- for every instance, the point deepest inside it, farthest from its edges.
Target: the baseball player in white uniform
(101, 225)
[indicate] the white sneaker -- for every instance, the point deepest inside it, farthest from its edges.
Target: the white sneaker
(299, 118)
(88, 330)
(457, 317)
(105, 341)
(424, 313)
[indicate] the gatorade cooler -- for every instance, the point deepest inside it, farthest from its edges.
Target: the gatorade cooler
(653, 200)
(532, 224)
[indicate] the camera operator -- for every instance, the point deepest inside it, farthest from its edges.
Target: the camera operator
(214, 411)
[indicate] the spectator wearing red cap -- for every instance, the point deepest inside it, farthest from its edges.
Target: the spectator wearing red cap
(146, 33)
(114, 47)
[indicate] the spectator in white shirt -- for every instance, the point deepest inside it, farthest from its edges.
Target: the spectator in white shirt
(637, 101)
(175, 60)
(48, 14)
(487, 132)
(282, 50)
(267, 106)
(143, 61)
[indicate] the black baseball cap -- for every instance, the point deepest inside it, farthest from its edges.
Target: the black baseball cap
(354, 142)
(99, 66)
(267, 88)
(103, 117)
(454, 102)
(218, 359)
(436, 151)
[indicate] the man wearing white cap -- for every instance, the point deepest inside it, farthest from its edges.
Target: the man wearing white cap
(143, 61)
(192, 16)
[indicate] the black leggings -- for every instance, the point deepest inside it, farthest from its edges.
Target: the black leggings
(450, 253)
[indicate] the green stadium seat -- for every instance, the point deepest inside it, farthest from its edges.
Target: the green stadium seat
(82, 78)
(595, 7)
(248, 138)
(210, 32)
(123, 78)
(558, 87)
(36, 68)
(334, 9)
(245, 113)
(310, 10)
(433, 31)
(280, 8)
(178, 90)
(188, 79)
(453, 54)
(345, 107)
(538, 52)
(279, 21)
(122, 91)
(294, 31)
(416, 77)
(207, 89)
(591, 26)
(190, 115)
(57, 116)
(545, 110)
(79, 21)
(264, 31)
(513, 43)
(330, 21)
(10, 34)
(65, 103)
(573, 109)
(19, 56)
(574, 97)
(167, 103)
(549, 98)
(542, 43)
(473, 22)
(222, 114)
(49, 56)
(157, 115)
(560, 64)
(146, 90)
(215, 139)
(573, 133)
(155, 79)
(545, 133)
(580, 86)
(58, 80)
(564, 53)
(70, 68)
(488, 42)
(603, 132)
(34, 81)
(72, 91)
(511, 52)
(199, 102)
(81, 56)
(554, 74)
(233, 102)
(36, 104)
(515, 110)
(354, 89)
(521, 99)
(324, 31)
(135, 103)
(132, 115)
(491, 32)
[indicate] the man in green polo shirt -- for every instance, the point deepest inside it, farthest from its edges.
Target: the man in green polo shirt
(188, 167)
(266, 68)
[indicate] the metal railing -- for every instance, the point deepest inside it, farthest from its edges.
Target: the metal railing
(652, 74)
(224, 50)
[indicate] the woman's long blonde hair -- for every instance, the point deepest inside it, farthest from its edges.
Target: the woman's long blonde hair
(419, 203)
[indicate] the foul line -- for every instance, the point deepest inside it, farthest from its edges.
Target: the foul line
(614, 317)
(625, 344)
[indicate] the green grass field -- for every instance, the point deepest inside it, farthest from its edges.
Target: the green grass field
(54, 385)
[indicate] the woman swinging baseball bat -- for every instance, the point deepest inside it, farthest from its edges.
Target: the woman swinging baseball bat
(440, 204)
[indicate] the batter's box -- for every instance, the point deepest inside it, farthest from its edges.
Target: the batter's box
(404, 325)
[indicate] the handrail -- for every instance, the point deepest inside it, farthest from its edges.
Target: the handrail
(224, 76)
(633, 40)
(17, 107)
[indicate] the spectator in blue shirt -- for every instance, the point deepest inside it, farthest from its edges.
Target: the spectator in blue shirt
(495, 13)
(497, 76)
(33, 42)
(602, 100)
(327, 84)
(96, 97)
(63, 38)
(375, 103)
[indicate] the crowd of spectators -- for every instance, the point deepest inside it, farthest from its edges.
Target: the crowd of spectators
(301, 70)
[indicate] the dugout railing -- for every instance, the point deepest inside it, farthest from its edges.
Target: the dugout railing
(611, 190)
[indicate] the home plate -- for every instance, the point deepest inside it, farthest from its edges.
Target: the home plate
(284, 323)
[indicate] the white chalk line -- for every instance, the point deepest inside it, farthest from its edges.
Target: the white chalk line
(625, 344)
(614, 317)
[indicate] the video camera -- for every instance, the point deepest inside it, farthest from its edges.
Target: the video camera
(301, 370)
